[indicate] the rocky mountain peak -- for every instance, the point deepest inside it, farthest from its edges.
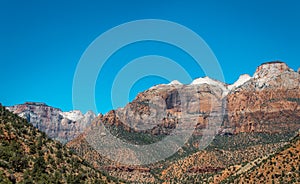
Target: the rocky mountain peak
(211, 82)
(241, 80)
(273, 89)
(270, 69)
(205, 80)
(36, 103)
(59, 125)
(175, 82)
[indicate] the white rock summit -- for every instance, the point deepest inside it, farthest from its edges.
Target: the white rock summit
(59, 125)
(271, 69)
(242, 79)
(175, 82)
(209, 81)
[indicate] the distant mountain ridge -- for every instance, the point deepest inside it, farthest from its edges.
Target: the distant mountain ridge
(270, 76)
(58, 125)
(251, 103)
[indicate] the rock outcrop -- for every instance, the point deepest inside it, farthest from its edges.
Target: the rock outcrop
(161, 108)
(267, 102)
(59, 125)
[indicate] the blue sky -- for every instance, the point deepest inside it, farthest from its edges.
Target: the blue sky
(41, 42)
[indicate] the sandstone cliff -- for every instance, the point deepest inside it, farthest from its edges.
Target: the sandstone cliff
(267, 102)
(59, 125)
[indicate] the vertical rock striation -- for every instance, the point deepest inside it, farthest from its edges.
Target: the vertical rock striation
(58, 125)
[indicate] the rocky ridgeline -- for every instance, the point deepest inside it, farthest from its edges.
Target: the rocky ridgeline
(267, 102)
(59, 125)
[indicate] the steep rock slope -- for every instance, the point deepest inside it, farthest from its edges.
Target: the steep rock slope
(268, 102)
(58, 125)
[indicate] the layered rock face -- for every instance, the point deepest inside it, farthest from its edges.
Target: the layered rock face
(59, 125)
(267, 102)
(161, 108)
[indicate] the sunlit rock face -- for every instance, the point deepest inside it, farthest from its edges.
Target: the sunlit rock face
(58, 125)
(268, 102)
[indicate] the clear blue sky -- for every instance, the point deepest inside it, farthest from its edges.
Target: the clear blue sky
(41, 42)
